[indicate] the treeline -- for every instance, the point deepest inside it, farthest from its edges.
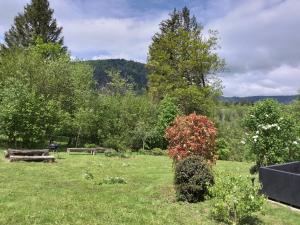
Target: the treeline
(44, 95)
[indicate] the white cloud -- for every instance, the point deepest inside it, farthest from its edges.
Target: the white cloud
(283, 80)
(260, 39)
(111, 37)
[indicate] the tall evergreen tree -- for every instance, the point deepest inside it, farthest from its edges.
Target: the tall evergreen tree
(36, 22)
(181, 57)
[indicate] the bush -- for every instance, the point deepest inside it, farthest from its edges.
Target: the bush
(222, 149)
(157, 152)
(236, 199)
(192, 135)
(124, 154)
(192, 179)
(111, 153)
(271, 134)
(144, 152)
(167, 112)
(89, 145)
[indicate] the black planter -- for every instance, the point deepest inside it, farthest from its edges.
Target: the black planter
(282, 182)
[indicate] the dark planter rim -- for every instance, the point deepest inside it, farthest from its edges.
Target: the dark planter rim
(271, 167)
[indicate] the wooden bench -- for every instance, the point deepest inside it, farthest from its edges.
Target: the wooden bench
(93, 151)
(26, 152)
(47, 158)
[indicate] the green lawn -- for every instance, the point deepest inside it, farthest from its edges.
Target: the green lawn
(41, 193)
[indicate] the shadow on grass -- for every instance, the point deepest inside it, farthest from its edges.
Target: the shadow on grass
(251, 220)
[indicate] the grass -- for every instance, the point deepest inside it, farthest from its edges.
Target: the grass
(58, 193)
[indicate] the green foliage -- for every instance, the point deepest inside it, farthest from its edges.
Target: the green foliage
(194, 99)
(222, 149)
(236, 199)
(111, 153)
(89, 145)
(44, 94)
(192, 179)
(228, 119)
(116, 84)
(272, 134)
(125, 121)
(35, 22)
(158, 152)
(167, 112)
(134, 72)
(25, 115)
(179, 56)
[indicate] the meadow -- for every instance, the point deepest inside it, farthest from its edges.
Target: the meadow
(59, 193)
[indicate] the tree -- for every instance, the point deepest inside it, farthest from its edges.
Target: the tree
(180, 56)
(272, 134)
(36, 22)
(26, 115)
(40, 96)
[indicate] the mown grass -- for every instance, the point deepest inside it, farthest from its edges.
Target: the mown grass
(58, 193)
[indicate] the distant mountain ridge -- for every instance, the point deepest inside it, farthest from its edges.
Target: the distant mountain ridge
(285, 99)
(133, 71)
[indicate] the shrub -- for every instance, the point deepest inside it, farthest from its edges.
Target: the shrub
(111, 153)
(124, 154)
(114, 142)
(89, 145)
(192, 179)
(157, 152)
(271, 134)
(167, 112)
(222, 149)
(236, 199)
(192, 135)
(144, 152)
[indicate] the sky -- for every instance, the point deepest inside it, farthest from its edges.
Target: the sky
(259, 39)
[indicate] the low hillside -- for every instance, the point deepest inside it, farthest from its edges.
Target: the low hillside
(130, 70)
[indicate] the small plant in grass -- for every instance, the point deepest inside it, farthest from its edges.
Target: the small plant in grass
(113, 180)
(192, 178)
(158, 152)
(144, 152)
(236, 199)
(124, 154)
(111, 153)
(192, 135)
(88, 175)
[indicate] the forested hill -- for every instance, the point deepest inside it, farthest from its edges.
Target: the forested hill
(130, 70)
(285, 99)
(137, 73)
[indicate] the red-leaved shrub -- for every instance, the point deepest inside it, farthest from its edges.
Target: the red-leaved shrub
(192, 135)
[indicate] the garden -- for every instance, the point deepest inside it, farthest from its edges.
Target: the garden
(115, 153)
